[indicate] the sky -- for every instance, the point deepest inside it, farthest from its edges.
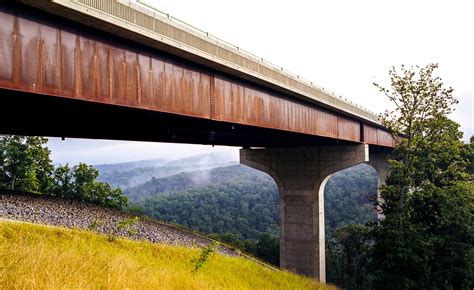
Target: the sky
(343, 46)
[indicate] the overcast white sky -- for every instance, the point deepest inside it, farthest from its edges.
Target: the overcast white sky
(343, 46)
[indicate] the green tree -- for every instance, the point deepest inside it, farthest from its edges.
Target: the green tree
(347, 255)
(84, 178)
(25, 164)
(421, 107)
(86, 188)
(425, 240)
(268, 249)
(468, 154)
(63, 182)
(102, 193)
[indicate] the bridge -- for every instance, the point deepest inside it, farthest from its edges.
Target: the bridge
(122, 70)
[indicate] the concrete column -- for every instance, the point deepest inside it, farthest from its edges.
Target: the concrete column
(379, 161)
(301, 174)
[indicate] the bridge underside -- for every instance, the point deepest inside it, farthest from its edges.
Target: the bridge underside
(33, 114)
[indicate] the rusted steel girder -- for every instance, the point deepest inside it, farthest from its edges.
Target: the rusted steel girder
(44, 54)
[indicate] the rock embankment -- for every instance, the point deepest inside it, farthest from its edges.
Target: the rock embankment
(53, 211)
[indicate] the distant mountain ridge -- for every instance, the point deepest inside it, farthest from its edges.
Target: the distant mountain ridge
(203, 160)
(135, 173)
(126, 166)
(194, 179)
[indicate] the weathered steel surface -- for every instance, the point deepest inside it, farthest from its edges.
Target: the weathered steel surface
(242, 103)
(133, 20)
(348, 129)
(41, 58)
(377, 136)
(39, 55)
(370, 134)
(384, 138)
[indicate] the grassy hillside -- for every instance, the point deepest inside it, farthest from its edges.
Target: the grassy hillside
(33, 256)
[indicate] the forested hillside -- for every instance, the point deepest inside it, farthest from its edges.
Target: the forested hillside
(348, 197)
(233, 199)
(244, 201)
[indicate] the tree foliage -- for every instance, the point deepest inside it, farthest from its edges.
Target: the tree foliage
(348, 198)
(80, 182)
(25, 165)
(468, 154)
(347, 256)
(422, 104)
(425, 240)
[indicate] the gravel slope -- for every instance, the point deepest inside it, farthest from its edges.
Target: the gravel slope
(74, 214)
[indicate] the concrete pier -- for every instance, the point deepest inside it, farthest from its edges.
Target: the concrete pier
(379, 161)
(301, 174)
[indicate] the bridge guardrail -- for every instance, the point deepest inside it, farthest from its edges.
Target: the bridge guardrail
(220, 42)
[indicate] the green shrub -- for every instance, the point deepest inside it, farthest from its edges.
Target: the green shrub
(206, 253)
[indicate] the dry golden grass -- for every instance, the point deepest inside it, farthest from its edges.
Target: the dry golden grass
(34, 256)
